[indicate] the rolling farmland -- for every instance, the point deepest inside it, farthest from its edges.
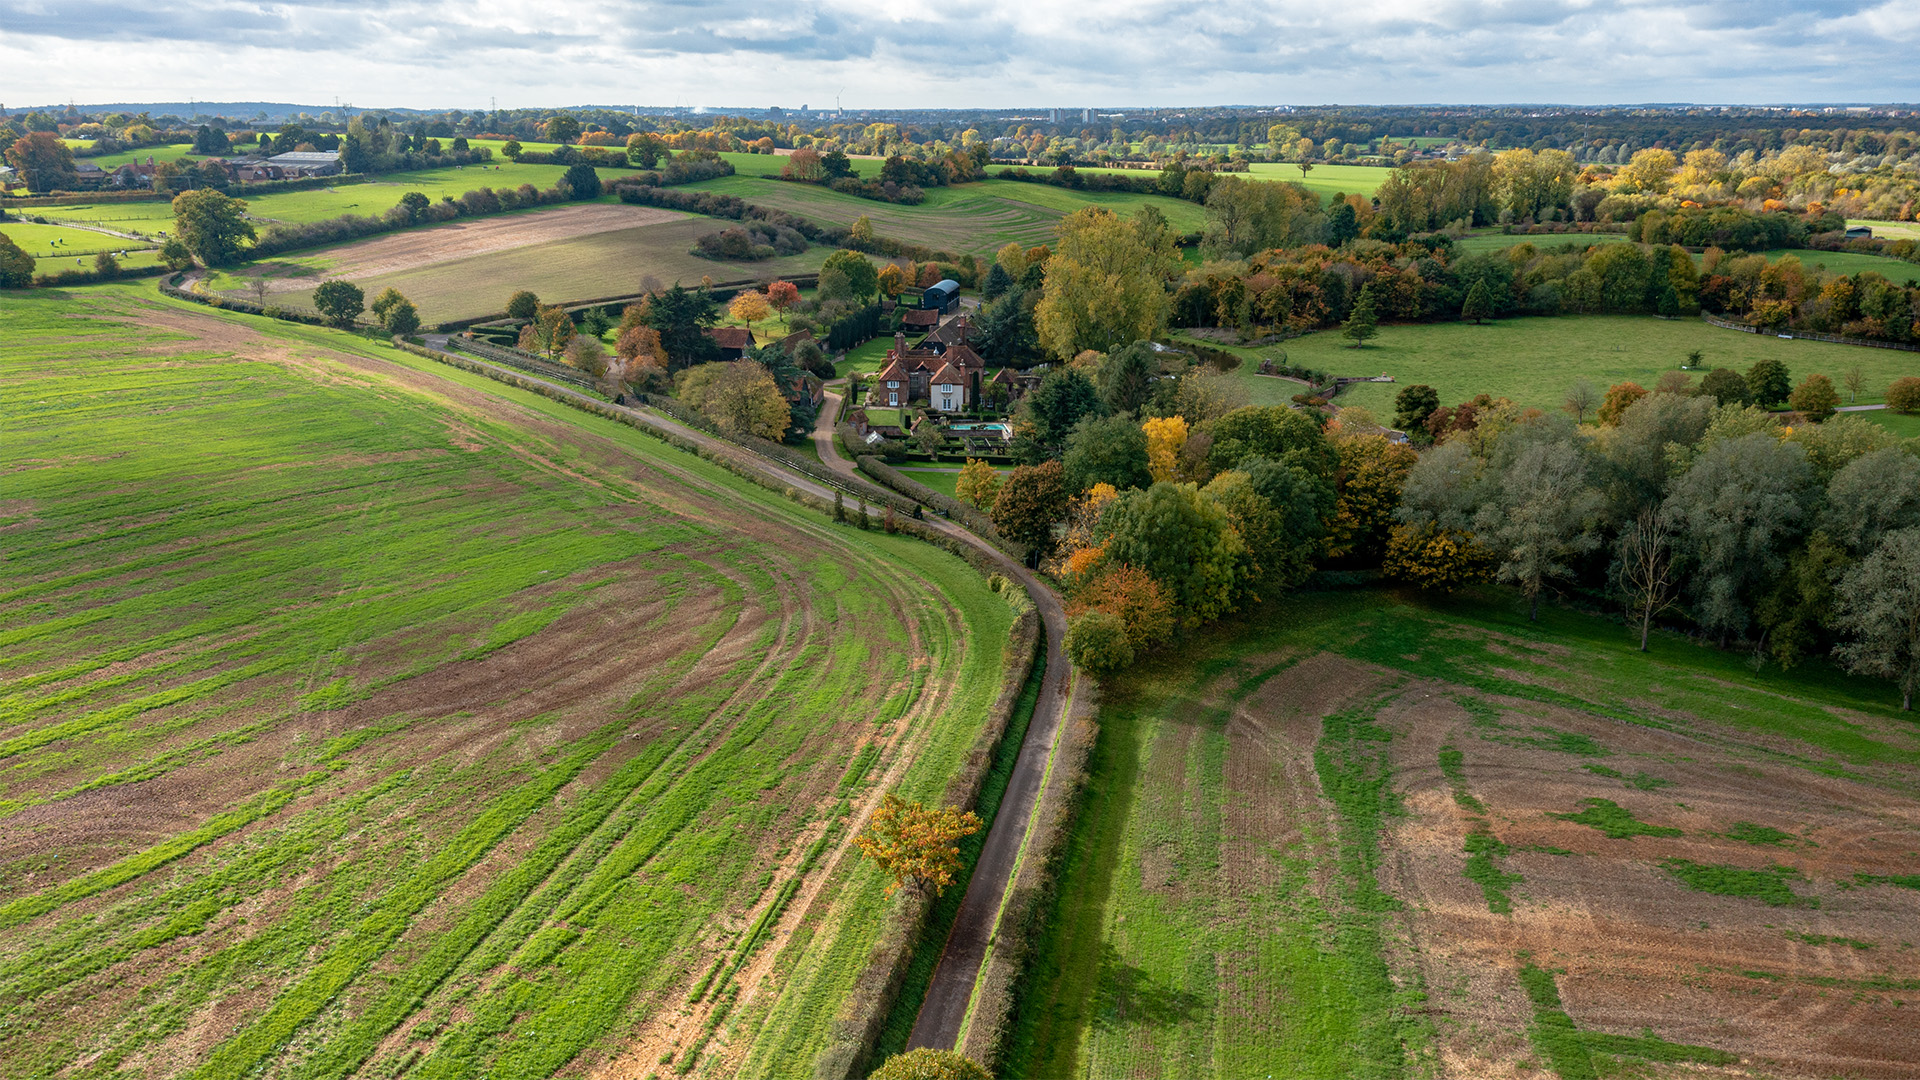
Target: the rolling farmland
(1356, 835)
(364, 717)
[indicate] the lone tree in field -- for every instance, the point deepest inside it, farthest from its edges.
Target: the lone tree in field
(1856, 379)
(783, 295)
(340, 301)
(396, 313)
(911, 843)
(1815, 397)
(1478, 305)
(212, 225)
(1363, 321)
(1877, 605)
(1645, 570)
(926, 1063)
(1581, 399)
(522, 305)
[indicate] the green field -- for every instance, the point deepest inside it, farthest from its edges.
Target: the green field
(1480, 242)
(169, 152)
(1535, 360)
(1890, 230)
(1848, 262)
(363, 716)
(977, 218)
(1907, 425)
(1326, 180)
(39, 242)
(1266, 877)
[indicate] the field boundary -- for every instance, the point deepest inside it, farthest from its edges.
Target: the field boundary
(1809, 335)
(864, 1013)
(1028, 894)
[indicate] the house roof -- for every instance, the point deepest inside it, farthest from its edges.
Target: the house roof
(924, 317)
(891, 373)
(731, 337)
(947, 285)
(953, 331)
(795, 340)
(962, 356)
(306, 157)
(1004, 377)
(946, 374)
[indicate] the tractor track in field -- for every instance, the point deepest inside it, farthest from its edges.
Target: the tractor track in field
(944, 1011)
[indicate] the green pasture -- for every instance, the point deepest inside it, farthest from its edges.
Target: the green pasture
(603, 264)
(55, 241)
(1476, 243)
(1905, 425)
(148, 219)
(167, 152)
(1848, 262)
(1890, 230)
(1325, 180)
(269, 586)
(1167, 954)
(1534, 361)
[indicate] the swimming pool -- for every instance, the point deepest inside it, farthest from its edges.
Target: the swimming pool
(998, 429)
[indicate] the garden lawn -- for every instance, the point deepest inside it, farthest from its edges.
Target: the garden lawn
(864, 357)
(349, 695)
(1905, 425)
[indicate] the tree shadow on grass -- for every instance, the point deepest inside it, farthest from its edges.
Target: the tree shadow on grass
(1127, 996)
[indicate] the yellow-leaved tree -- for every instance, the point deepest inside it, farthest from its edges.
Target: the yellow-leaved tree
(750, 307)
(739, 397)
(910, 842)
(979, 483)
(1165, 436)
(1105, 284)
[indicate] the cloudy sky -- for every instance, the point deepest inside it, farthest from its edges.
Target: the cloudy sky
(902, 53)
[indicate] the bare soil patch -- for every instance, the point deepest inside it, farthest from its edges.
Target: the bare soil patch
(1821, 987)
(416, 248)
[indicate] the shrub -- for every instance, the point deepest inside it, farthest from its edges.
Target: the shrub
(1903, 396)
(1815, 398)
(1097, 642)
(929, 1064)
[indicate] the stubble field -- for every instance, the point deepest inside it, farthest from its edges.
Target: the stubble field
(366, 718)
(1367, 837)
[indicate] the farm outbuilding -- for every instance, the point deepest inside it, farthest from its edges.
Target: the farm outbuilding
(1859, 232)
(942, 296)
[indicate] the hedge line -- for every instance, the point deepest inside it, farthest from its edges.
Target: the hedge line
(1032, 893)
(857, 1027)
(88, 277)
(973, 519)
(171, 288)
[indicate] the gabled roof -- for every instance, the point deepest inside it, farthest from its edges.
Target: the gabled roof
(1003, 377)
(953, 331)
(731, 337)
(891, 373)
(306, 157)
(947, 374)
(923, 317)
(795, 340)
(962, 356)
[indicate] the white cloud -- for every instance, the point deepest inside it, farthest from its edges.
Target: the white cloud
(967, 53)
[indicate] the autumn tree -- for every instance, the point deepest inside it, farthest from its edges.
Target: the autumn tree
(803, 164)
(43, 161)
(1619, 397)
(1097, 642)
(1815, 398)
(1903, 394)
(1105, 286)
(212, 225)
(1436, 559)
(549, 331)
(340, 301)
(1183, 540)
(1165, 438)
(1032, 499)
(1373, 470)
(892, 280)
(1130, 595)
(782, 295)
(979, 483)
(913, 844)
(740, 397)
(750, 307)
(522, 305)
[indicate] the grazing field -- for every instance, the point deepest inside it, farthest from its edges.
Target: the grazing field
(1480, 242)
(54, 247)
(602, 263)
(1849, 262)
(1905, 426)
(1357, 835)
(1890, 230)
(1326, 180)
(977, 218)
(1535, 360)
(169, 152)
(365, 717)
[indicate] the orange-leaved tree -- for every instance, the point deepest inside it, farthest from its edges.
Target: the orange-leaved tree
(783, 295)
(892, 279)
(910, 842)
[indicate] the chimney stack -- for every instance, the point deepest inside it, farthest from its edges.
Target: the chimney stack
(900, 344)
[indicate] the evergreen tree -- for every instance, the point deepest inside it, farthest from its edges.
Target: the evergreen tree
(1363, 321)
(1478, 305)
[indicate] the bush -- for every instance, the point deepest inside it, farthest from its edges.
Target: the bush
(929, 1064)
(1097, 643)
(1903, 396)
